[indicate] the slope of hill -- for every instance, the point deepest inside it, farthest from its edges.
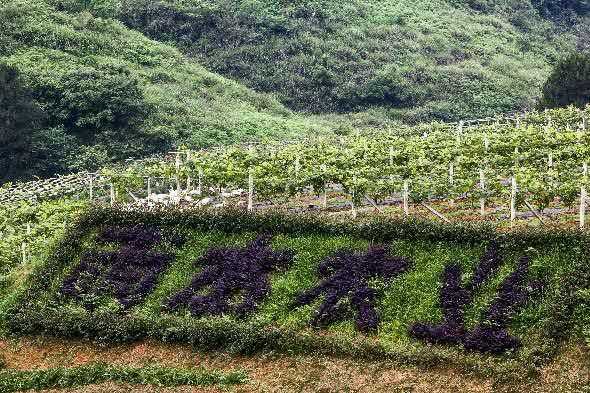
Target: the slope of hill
(417, 60)
(110, 93)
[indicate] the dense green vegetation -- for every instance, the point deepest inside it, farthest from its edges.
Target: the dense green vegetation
(109, 93)
(417, 60)
(558, 258)
(569, 84)
(20, 117)
(16, 380)
(106, 92)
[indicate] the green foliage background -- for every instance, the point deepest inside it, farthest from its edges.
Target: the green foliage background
(416, 60)
(109, 93)
(89, 73)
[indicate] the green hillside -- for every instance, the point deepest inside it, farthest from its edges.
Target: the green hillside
(110, 93)
(101, 91)
(417, 60)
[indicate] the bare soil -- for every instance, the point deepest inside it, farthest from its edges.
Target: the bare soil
(569, 372)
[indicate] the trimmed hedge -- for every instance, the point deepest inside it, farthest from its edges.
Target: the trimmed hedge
(17, 380)
(556, 317)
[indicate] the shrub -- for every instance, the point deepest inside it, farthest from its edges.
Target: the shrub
(346, 278)
(569, 84)
(228, 272)
(129, 273)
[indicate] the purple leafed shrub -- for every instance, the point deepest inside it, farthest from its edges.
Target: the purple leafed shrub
(454, 298)
(235, 280)
(346, 288)
(490, 335)
(129, 274)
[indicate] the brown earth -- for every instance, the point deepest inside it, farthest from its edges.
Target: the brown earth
(569, 372)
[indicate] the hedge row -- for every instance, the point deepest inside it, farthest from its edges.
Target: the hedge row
(17, 380)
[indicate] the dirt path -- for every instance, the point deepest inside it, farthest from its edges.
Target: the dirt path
(570, 372)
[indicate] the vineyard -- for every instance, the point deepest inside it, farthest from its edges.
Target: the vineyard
(526, 165)
(535, 162)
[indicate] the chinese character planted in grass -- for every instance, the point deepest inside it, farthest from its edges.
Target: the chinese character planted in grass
(491, 334)
(235, 279)
(129, 273)
(345, 286)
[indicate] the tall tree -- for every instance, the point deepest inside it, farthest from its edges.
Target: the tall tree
(20, 118)
(569, 84)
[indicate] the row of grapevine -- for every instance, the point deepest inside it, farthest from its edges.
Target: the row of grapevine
(543, 154)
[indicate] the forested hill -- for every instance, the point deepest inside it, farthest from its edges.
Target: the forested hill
(88, 82)
(79, 91)
(418, 59)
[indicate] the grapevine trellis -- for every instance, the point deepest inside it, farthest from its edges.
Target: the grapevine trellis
(529, 160)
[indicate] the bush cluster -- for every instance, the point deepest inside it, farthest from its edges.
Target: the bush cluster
(346, 286)
(229, 272)
(129, 273)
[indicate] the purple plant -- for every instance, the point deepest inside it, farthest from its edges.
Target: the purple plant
(346, 288)
(490, 335)
(129, 274)
(235, 280)
(454, 298)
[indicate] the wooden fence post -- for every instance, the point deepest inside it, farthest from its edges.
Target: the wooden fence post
(250, 190)
(112, 192)
(91, 178)
(451, 181)
(513, 202)
(200, 184)
(23, 248)
(353, 208)
(482, 186)
(583, 196)
(406, 198)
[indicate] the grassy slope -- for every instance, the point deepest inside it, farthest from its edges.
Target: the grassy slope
(418, 58)
(191, 105)
(411, 298)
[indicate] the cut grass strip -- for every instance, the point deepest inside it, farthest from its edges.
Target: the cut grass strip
(16, 380)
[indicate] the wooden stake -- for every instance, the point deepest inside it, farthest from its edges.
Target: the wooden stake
(372, 202)
(436, 213)
(406, 198)
(513, 202)
(451, 181)
(534, 212)
(250, 191)
(149, 187)
(91, 188)
(482, 186)
(112, 194)
(23, 248)
(583, 197)
(200, 184)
